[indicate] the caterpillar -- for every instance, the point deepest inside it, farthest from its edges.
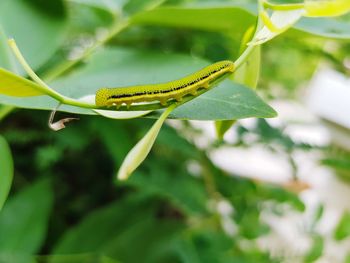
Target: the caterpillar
(163, 92)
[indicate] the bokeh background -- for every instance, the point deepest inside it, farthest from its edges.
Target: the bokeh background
(274, 190)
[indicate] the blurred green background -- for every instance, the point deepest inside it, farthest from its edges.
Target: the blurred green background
(65, 204)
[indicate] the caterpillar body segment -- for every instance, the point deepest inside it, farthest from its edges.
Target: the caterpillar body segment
(174, 90)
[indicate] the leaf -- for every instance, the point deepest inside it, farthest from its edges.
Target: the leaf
(316, 250)
(120, 229)
(24, 219)
(279, 22)
(6, 171)
(248, 75)
(76, 258)
(222, 127)
(119, 115)
(140, 151)
(342, 230)
(6, 58)
(324, 27)
(17, 258)
(225, 19)
(226, 102)
(37, 26)
(14, 85)
(135, 6)
(187, 193)
(115, 67)
(326, 8)
(114, 6)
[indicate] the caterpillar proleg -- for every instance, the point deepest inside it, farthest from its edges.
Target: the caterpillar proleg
(173, 90)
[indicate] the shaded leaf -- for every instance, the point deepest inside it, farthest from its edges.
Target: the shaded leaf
(6, 171)
(118, 227)
(248, 75)
(38, 27)
(24, 220)
(325, 27)
(140, 151)
(224, 19)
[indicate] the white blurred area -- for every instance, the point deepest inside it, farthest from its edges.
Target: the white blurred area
(326, 98)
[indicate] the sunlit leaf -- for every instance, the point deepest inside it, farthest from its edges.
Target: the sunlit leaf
(317, 8)
(279, 22)
(14, 85)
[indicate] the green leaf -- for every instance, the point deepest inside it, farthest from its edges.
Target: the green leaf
(6, 171)
(316, 250)
(124, 67)
(222, 127)
(326, 8)
(113, 6)
(225, 19)
(135, 6)
(342, 230)
(187, 193)
(325, 27)
(24, 220)
(14, 85)
(279, 22)
(17, 258)
(140, 151)
(248, 75)
(76, 258)
(120, 229)
(37, 26)
(6, 58)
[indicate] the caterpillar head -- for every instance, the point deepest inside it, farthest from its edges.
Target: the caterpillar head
(101, 98)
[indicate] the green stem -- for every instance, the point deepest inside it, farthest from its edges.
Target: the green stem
(64, 67)
(244, 56)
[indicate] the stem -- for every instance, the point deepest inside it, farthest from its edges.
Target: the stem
(45, 88)
(116, 29)
(243, 57)
(31, 73)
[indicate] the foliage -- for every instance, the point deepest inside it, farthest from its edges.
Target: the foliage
(65, 204)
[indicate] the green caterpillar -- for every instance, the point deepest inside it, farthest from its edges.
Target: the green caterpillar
(164, 91)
